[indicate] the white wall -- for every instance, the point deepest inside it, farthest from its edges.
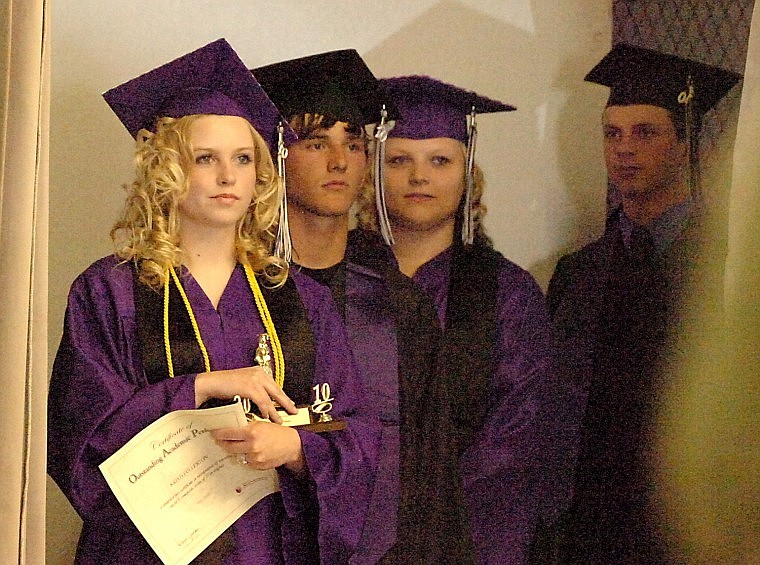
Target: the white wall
(546, 182)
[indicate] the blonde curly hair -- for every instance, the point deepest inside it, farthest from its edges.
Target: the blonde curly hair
(366, 207)
(147, 232)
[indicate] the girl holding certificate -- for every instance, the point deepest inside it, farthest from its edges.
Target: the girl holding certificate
(172, 320)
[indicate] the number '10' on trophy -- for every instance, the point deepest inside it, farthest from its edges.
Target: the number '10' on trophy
(315, 417)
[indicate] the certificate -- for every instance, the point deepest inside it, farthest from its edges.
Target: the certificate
(179, 487)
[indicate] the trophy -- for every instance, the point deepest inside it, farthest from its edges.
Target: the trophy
(315, 417)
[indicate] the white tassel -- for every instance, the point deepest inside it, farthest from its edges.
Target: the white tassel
(381, 134)
(283, 246)
(468, 221)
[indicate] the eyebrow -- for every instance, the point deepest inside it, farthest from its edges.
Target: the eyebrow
(635, 125)
(324, 137)
(212, 149)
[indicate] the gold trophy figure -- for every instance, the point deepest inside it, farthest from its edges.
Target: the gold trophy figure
(264, 353)
(315, 418)
(263, 359)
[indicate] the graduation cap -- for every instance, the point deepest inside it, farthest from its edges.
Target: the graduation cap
(209, 80)
(336, 84)
(429, 108)
(687, 88)
(642, 76)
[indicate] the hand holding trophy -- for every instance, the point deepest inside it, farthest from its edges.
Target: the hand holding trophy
(314, 418)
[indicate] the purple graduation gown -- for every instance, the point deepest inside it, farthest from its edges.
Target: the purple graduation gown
(502, 469)
(100, 398)
(374, 343)
(393, 332)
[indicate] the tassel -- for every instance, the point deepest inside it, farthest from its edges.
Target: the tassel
(381, 134)
(468, 221)
(692, 170)
(283, 247)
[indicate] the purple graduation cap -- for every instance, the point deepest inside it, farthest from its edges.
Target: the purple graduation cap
(430, 108)
(210, 80)
(687, 88)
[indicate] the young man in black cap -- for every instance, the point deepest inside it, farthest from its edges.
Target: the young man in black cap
(616, 303)
(415, 512)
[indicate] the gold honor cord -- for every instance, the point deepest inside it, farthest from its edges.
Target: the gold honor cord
(196, 330)
(279, 360)
(261, 305)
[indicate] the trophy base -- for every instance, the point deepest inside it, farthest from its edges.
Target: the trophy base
(320, 427)
(306, 419)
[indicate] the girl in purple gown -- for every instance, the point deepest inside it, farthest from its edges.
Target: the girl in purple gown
(172, 320)
(496, 355)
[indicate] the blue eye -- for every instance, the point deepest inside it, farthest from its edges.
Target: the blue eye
(440, 160)
(203, 159)
(245, 159)
(396, 160)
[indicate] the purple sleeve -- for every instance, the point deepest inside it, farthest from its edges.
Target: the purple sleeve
(500, 469)
(341, 464)
(99, 398)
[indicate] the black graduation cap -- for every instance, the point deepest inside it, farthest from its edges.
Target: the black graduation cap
(336, 84)
(643, 76)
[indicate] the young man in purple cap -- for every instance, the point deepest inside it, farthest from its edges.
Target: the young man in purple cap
(415, 513)
(496, 355)
(617, 304)
(174, 318)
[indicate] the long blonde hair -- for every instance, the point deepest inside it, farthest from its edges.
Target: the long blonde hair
(367, 209)
(148, 230)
